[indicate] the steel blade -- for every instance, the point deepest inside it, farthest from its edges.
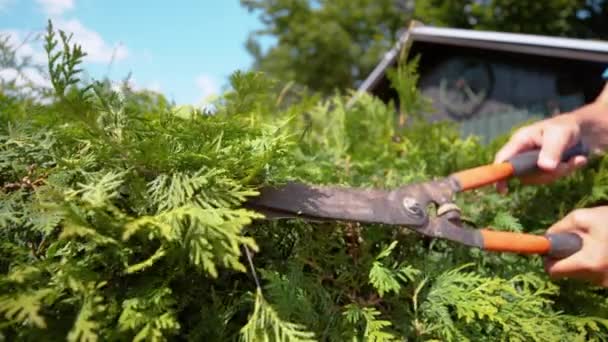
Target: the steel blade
(336, 203)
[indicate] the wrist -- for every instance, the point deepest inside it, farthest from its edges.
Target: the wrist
(597, 110)
(602, 99)
(592, 121)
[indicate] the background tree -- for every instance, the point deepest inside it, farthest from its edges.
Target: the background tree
(326, 45)
(592, 19)
(570, 18)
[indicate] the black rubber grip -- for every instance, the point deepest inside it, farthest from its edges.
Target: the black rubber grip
(564, 245)
(527, 162)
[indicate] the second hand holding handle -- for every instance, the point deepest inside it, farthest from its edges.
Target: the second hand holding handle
(560, 245)
(526, 163)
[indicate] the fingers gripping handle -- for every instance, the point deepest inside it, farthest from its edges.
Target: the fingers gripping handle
(526, 162)
(560, 245)
(523, 164)
(483, 175)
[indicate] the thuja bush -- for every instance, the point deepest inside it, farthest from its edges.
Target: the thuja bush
(122, 219)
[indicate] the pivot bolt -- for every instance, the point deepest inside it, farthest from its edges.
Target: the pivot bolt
(412, 207)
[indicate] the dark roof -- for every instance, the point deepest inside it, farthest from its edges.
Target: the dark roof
(525, 44)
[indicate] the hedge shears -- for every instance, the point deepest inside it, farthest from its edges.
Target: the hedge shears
(427, 208)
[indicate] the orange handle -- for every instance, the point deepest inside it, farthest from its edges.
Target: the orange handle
(483, 175)
(514, 242)
(554, 245)
(520, 165)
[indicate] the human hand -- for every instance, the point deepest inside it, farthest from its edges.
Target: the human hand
(553, 136)
(591, 262)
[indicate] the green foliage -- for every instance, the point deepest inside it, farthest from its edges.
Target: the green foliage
(324, 45)
(571, 18)
(25, 307)
(121, 218)
(367, 325)
(265, 325)
(385, 279)
(18, 89)
(512, 305)
(63, 64)
(404, 80)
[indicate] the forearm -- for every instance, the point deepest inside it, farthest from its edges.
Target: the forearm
(593, 122)
(602, 99)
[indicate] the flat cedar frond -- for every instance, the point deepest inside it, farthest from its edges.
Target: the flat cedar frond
(150, 315)
(210, 236)
(386, 279)
(205, 188)
(100, 189)
(21, 273)
(383, 279)
(265, 325)
(519, 307)
(85, 328)
(10, 210)
(589, 328)
(25, 307)
(373, 327)
(506, 221)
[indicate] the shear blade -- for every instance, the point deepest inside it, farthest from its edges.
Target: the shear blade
(327, 203)
(334, 203)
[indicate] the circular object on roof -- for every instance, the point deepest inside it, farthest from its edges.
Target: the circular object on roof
(464, 86)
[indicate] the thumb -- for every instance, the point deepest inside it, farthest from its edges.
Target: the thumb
(578, 220)
(574, 265)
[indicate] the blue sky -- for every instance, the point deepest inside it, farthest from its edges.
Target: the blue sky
(185, 49)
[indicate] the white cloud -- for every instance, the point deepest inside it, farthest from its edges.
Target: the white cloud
(29, 44)
(133, 84)
(55, 7)
(152, 86)
(28, 76)
(97, 49)
(8, 74)
(36, 77)
(26, 45)
(207, 86)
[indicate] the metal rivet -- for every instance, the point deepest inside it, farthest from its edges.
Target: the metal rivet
(412, 206)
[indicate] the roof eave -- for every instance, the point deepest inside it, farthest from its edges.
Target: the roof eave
(568, 48)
